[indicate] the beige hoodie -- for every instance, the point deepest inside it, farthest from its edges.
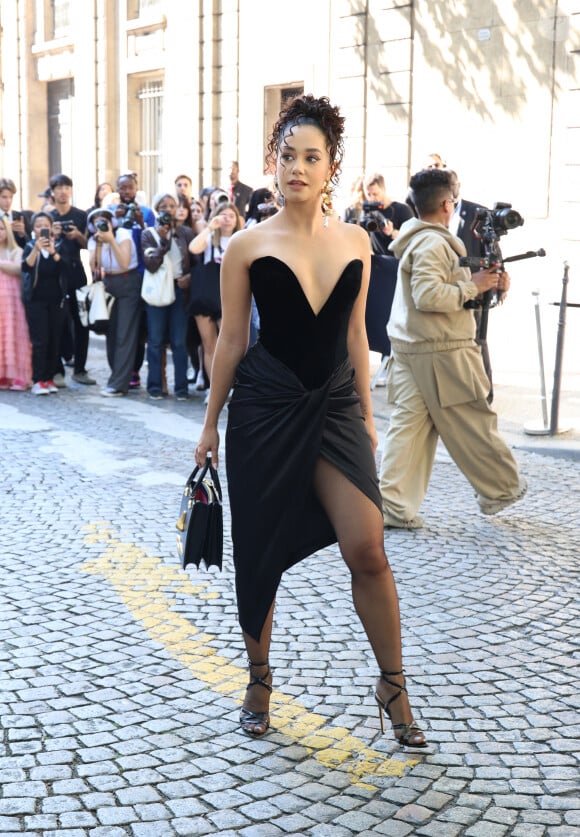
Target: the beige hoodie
(428, 313)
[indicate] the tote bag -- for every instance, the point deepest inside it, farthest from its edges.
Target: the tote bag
(158, 289)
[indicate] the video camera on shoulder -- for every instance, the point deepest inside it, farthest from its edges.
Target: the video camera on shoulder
(373, 217)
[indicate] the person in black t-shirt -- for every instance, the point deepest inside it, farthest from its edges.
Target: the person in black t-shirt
(394, 213)
(69, 225)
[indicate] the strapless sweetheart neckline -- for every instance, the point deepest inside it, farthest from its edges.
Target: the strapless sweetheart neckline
(289, 269)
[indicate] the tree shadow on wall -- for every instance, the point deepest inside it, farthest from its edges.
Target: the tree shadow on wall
(483, 57)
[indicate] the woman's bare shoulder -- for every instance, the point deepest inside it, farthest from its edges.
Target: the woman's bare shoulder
(246, 243)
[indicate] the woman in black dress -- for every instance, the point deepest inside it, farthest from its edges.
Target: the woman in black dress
(301, 437)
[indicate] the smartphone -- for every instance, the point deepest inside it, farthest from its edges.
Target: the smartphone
(44, 232)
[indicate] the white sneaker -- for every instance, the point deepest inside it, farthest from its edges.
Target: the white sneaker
(206, 399)
(40, 388)
(392, 522)
(488, 506)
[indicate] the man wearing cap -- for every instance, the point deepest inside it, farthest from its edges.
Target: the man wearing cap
(70, 224)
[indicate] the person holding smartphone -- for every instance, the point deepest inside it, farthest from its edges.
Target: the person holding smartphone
(44, 295)
(19, 221)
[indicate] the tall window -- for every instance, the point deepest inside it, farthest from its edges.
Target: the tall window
(150, 98)
(141, 8)
(61, 18)
(275, 98)
(60, 119)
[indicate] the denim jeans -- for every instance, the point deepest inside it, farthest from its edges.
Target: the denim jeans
(167, 324)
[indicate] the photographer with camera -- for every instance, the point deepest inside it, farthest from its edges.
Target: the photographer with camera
(130, 215)
(113, 258)
(168, 321)
(435, 376)
(69, 226)
(382, 217)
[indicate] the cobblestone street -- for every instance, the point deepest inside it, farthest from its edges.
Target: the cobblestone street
(121, 675)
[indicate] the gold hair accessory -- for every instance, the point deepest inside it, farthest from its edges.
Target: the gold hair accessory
(326, 203)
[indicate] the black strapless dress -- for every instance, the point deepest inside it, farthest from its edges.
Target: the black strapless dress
(293, 402)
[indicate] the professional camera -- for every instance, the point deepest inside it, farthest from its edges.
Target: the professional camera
(164, 219)
(500, 219)
(129, 215)
(222, 199)
(488, 227)
(67, 226)
(102, 225)
(265, 210)
(372, 220)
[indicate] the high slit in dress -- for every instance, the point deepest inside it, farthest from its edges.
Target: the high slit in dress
(293, 402)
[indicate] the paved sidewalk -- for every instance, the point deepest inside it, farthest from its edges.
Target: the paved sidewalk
(121, 675)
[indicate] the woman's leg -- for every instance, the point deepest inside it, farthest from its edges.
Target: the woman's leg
(208, 333)
(257, 696)
(359, 527)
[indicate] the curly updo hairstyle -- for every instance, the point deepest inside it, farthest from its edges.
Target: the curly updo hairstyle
(308, 110)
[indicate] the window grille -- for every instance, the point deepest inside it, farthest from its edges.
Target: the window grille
(61, 18)
(147, 5)
(150, 97)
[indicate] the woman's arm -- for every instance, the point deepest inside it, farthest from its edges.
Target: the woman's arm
(153, 253)
(358, 345)
(30, 259)
(200, 242)
(232, 341)
(121, 250)
(13, 265)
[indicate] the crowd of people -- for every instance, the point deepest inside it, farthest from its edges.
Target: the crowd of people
(48, 255)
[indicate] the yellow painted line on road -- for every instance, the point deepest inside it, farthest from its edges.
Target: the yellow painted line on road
(148, 588)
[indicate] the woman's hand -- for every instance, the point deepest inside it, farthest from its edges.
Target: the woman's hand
(208, 445)
(372, 431)
(103, 237)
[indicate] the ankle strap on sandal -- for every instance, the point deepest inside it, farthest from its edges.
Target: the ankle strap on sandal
(259, 681)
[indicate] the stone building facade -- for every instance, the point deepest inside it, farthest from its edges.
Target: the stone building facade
(163, 87)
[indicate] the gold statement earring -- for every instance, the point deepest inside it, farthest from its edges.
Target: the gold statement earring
(326, 203)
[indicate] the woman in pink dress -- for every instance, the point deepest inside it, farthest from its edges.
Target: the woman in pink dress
(15, 350)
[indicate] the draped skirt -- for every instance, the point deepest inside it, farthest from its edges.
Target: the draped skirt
(277, 430)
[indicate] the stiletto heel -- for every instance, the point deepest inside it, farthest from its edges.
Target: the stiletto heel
(411, 735)
(252, 722)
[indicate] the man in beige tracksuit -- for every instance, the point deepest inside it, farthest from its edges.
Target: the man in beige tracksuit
(435, 376)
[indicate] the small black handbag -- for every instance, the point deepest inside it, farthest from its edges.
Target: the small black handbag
(200, 526)
(204, 289)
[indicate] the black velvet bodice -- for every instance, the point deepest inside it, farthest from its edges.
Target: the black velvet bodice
(311, 345)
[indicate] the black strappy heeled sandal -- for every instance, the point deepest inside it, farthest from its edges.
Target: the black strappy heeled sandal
(411, 735)
(252, 722)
